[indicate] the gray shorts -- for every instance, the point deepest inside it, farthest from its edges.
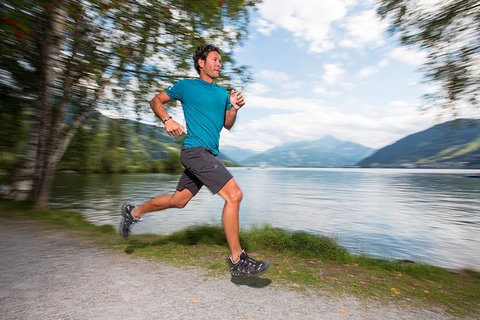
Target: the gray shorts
(202, 167)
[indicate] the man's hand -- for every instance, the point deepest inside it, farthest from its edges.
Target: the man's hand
(173, 128)
(236, 99)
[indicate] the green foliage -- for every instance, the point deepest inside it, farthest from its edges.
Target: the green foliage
(13, 130)
(209, 235)
(448, 31)
(119, 146)
(62, 59)
(230, 163)
(117, 135)
(81, 146)
(173, 163)
(114, 161)
(128, 40)
(157, 166)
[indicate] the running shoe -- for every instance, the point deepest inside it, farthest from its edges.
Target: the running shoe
(128, 220)
(247, 266)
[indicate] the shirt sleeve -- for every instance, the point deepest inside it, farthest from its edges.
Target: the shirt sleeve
(228, 105)
(175, 91)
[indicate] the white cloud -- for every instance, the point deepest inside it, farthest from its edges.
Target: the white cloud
(274, 76)
(367, 71)
(319, 23)
(408, 56)
(325, 92)
(308, 20)
(298, 104)
(374, 114)
(384, 63)
(264, 26)
(312, 120)
(278, 80)
(320, 90)
(257, 88)
(333, 73)
(363, 29)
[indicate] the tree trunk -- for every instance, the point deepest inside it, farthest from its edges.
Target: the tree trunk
(24, 180)
(19, 183)
(49, 135)
(62, 140)
(55, 155)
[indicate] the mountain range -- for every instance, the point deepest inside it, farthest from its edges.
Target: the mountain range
(326, 152)
(451, 144)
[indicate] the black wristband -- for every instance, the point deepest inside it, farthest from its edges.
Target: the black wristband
(166, 119)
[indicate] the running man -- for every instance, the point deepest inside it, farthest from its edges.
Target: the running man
(207, 108)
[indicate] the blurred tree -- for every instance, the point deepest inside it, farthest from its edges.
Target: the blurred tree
(77, 156)
(449, 32)
(117, 133)
(114, 160)
(157, 166)
(12, 130)
(173, 162)
(64, 58)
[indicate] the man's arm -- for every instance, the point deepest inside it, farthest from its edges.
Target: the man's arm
(157, 104)
(237, 101)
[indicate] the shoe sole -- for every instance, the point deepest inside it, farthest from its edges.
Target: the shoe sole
(122, 223)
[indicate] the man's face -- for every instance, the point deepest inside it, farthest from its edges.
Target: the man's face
(211, 66)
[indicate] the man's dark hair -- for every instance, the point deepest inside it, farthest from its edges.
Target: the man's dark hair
(201, 53)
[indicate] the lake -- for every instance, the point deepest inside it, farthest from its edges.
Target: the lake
(424, 215)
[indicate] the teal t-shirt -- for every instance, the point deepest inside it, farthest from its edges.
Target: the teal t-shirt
(204, 105)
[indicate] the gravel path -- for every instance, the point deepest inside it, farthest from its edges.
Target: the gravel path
(46, 274)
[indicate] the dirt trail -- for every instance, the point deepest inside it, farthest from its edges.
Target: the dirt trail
(47, 274)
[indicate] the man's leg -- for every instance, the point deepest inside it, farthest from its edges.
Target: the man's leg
(232, 194)
(177, 200)
(131, 213)
(240, 263)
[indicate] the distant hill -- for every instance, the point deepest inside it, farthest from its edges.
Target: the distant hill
(149, 140)
(154, 141)
(326, 152)
(450, 144)
(104, 144)
(237, 154)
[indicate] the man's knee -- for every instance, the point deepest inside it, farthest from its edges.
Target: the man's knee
(237, 195)
(233, 193)
(180, 204)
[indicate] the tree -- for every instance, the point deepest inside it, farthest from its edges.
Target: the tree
(173, 162)
(64, 58)
(449, 32)
(78, 154)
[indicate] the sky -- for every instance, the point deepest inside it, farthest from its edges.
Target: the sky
(327, 68)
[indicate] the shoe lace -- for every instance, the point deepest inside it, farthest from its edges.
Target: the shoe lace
(248, 264)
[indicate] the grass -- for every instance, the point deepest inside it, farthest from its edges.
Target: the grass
(298, 260)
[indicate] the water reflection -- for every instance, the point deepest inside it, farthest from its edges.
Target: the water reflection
(428, 216)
